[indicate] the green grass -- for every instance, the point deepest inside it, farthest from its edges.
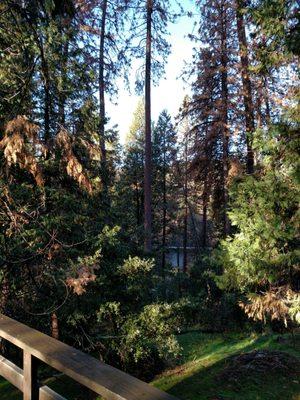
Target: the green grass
(205, 356)
(196, 375)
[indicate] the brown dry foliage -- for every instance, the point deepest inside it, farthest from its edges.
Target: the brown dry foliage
(19, 133)
(92, 149)
(53, 250)
(73, 166)
(273, 303)
(85, 276)
(235, 169)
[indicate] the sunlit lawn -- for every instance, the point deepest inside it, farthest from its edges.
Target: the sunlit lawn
(205, 356)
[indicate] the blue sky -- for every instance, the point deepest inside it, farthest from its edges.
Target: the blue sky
(170, 91)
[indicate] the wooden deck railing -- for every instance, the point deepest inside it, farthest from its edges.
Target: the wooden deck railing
(99, 377)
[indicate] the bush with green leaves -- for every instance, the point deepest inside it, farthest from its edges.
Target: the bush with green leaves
(118, 316)
(135, 340)
(263, 255)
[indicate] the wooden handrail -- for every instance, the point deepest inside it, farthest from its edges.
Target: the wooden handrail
(101, 378)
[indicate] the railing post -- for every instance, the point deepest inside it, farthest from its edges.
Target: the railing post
(30, 383)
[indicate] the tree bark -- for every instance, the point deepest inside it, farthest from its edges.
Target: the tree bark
(102, 119)
(45, 74)
(137, 197)
(54, 326)
(267, 101)
(3, 305)
(164, 208)
(4, 293)
(62, 94)
(204, 220)
(258, 105)
(185, 220)
(246, 82)
(224, 116)
(148, 140)
(47, 97)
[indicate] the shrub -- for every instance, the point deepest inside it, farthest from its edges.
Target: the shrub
(141, 343)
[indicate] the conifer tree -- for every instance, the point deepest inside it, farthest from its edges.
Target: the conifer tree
(164, 157)
(148, 139)
(113, 62)
(150, 22)
(210, 109)
(246, 82)
(131, 183)
(261, 258)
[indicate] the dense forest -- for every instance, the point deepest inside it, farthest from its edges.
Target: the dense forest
(192, 221)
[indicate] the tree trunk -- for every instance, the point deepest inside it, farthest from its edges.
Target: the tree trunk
(4, 293)
(3, 305)
(204, 220)
(102, 119)
(164, 209)
(224, 95)
(148, 141)
(247, 90)
(45, 75)
(137, 203)
(185, 236)
(47, 100)
(46, 85)
(267, 101)
(62, 94)
(54, 326)
(259, 101)
(185, 220)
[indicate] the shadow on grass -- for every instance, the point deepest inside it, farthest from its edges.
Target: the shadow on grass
(205, 382)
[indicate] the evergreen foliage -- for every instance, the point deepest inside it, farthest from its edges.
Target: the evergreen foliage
(194, 221)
